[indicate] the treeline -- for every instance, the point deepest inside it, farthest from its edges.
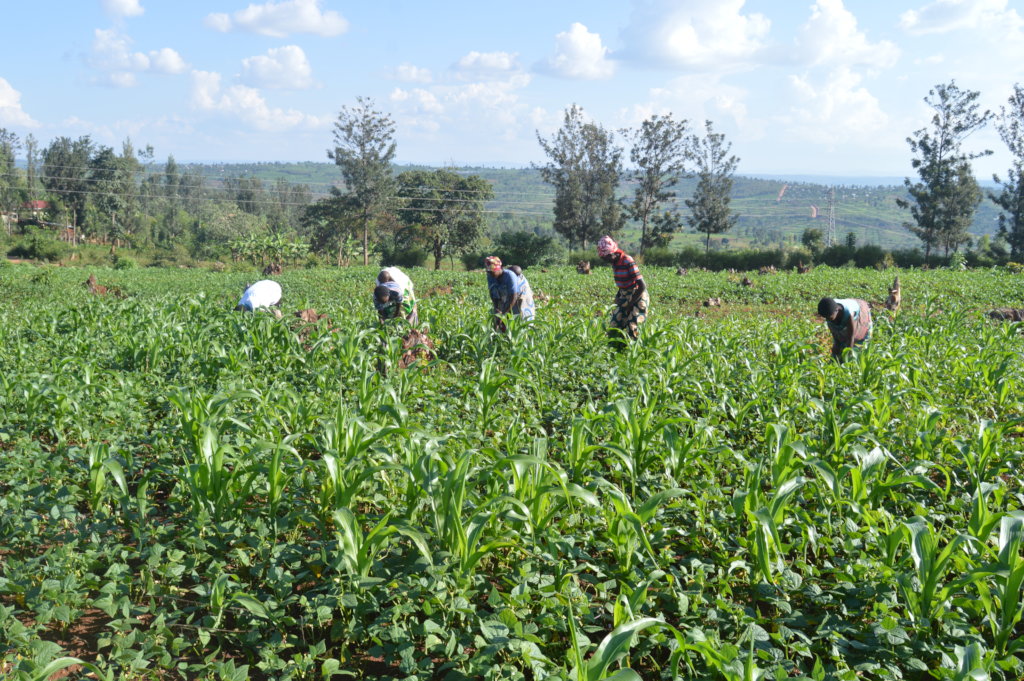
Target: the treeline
(679, 178)
(81, 192)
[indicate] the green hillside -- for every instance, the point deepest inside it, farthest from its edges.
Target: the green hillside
(771, 212)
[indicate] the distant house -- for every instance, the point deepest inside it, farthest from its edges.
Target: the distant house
(34, 208)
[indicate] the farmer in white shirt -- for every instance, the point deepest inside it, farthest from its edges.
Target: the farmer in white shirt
(264, 293)
(399, 277)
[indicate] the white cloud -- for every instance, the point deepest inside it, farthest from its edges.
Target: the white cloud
(413, 74)
(11, 112)
(695, 97)
(422, 100)
(248, 105)
(487, 62)
(284, 68)
(698, 34)
(123, 8)
(280, 19)
(487, 108)
(943, 16)
(579, 54)
(838, 111)
(112, 55)
(166, 60)
(831, 36)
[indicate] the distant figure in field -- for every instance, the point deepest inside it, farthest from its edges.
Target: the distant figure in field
(507, 291)
(849, 320)
(264, 293)
(895, 296)
(632, 299)
(393, 296)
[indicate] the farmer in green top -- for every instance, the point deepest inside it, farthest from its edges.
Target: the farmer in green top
(392, 300)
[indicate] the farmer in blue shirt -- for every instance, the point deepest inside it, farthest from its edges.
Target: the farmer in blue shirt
(849, 321)
(506, 289)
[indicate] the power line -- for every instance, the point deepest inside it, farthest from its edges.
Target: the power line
(212, 199)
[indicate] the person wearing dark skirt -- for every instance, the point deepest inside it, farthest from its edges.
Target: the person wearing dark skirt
(631, 299)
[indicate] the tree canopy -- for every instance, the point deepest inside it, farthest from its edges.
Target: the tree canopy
(584, 166)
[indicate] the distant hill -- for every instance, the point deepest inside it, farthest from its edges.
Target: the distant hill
(773, 210)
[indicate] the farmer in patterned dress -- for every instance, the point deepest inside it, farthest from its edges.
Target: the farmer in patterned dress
(632, 299)
(393, 296)
(849, 320)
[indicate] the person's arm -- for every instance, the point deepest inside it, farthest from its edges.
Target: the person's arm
(638, 292)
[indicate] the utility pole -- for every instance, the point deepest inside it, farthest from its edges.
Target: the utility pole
(830, 235)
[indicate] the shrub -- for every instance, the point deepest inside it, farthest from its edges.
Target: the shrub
(123, 262)
(690, 257)
(838, 255)
(403, 257)
(908, 257)
(659, 257)
(472, 261)
(869, 255)
(588, 254)
(38, 245)
(525, 249)
(799, 256)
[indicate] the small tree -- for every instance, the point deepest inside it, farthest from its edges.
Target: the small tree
(584, 168)
(813, 240)
(945, 198)
(709, 207)
(1011, 198)
(364, 148)
(447, 207)
(659, 152)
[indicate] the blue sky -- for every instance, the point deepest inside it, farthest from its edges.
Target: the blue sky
(828, 87)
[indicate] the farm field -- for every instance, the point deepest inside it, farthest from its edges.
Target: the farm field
(187, 492)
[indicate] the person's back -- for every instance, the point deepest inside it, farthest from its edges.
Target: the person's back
(399, 277)
(264, 293)
(527, 307)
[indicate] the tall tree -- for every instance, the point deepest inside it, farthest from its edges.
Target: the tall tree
(66, 174)
(584, 167)
(1011, 198)
(11, 191)
(31, 167)
(709, 207)
(659, 153)
(364, 148)
(943, 201)
(447, 207)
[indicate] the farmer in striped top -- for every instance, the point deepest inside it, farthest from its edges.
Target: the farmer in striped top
(849, 320)
(632, 298)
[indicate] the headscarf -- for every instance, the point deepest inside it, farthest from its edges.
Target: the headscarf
(492, 264)
(606, 246)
